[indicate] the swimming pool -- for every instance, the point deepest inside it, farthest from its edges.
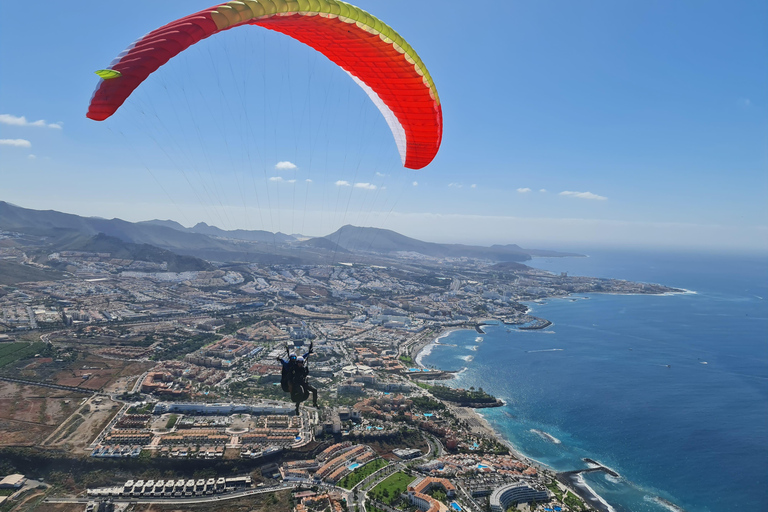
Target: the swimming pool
(455, 506)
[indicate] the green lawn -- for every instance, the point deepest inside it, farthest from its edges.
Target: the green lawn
(389, 490)
(574, 502)
(171, 421)
(361, 473)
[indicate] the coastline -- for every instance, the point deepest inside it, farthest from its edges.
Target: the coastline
(480, 425)
(477, 422)
(424, 347)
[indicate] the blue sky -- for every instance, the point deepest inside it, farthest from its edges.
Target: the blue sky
(566, 125)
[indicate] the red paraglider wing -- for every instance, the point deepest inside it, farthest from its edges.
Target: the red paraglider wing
(376, 57)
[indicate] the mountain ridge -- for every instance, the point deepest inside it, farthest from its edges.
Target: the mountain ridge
(214, 244)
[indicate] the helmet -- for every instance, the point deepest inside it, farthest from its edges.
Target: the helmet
(300, 359)
(292, 355)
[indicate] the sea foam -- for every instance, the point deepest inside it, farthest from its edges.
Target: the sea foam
(545, 435)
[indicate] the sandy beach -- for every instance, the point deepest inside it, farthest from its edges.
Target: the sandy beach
(424, 346)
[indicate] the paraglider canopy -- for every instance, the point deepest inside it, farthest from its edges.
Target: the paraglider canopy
(375, 56)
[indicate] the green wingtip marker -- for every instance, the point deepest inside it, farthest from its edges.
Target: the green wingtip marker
(107, 74)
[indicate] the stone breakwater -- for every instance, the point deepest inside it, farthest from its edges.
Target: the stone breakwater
(573, 480)
(537, 323)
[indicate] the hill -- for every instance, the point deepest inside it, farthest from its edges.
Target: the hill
(385, 241)
(236, 234)
(12, 272)
(204, 242)
(141, 252)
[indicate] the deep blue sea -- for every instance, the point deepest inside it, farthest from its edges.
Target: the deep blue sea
(669, 391)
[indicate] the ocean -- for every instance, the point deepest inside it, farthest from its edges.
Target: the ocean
(671, 391)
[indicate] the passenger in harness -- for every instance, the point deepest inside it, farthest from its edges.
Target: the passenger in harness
(300, 387)
(288, 365)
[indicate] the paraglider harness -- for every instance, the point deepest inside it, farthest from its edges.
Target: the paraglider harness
(299, 388)
(293, 378)
(285, 375)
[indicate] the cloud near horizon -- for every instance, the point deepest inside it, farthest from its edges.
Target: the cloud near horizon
(366, 186)
(455, 185)
(285, 166)
(343, 183)
(19, 143)
(12, 120)
(523, 190)
(583, 195)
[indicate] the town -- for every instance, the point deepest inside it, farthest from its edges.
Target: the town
(169, 382)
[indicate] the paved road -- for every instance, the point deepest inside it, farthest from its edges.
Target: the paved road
(49, 385)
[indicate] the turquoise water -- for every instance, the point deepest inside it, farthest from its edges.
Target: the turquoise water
(669, 391)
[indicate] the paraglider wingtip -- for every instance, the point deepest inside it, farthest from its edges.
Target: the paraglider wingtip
(96, 116)
(108, 74)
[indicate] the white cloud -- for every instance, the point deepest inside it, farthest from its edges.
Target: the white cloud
(366, 186)
(474, 185)
(285, 166)
(19, 143)
(380, 174)
(32, 157)
(308, 180)
(342, 183)
(524, 190)
(745, 102)
(583, 195)
(279, 179)
(543, 190)
(415, 183)
(455, 185)
(22, 121)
